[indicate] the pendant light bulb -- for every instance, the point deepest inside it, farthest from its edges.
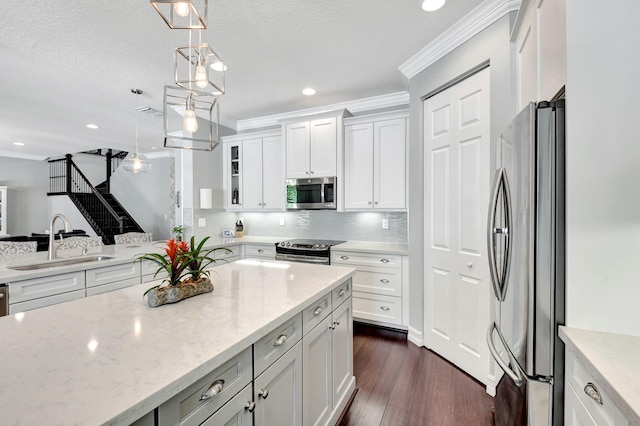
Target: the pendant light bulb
(202, 80)
(181, 8)
(190, 121)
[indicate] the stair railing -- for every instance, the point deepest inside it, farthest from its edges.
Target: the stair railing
(67, 178)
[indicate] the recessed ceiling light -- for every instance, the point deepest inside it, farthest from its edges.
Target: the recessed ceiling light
(309, 91)
(93, 126)
(18, 143)
(432, 5)
(218, 66)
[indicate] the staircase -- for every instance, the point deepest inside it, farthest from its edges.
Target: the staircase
(99, 207)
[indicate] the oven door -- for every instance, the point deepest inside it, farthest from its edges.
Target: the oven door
(311, 194)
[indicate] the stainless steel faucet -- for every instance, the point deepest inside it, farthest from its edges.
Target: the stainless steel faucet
(67, 228)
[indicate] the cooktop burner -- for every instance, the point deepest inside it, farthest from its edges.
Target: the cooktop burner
(309, 244)
(302, 250)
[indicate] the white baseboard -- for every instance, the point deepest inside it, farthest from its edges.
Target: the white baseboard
(415, 336)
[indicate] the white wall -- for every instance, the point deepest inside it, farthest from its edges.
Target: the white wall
(28, 183)
(603, 166)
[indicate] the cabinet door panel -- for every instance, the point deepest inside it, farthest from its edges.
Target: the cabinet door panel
(342, 348)
(318, 374)
(234, 412)
(389, 144)
(252, 174)
(297, 147)
(273, 183)
(358, 180)
(283, 381)
(323, 148)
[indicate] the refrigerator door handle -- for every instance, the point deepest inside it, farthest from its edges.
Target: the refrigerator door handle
(499, 278)
(516, 375)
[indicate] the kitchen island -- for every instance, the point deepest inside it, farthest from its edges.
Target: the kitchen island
(110, 359)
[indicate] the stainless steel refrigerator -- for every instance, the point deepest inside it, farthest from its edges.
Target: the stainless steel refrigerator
(526, 238)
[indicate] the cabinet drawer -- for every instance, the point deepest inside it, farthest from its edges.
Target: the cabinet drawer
(35, 288)
(189, 407)
(272, 346)
(105, 288)
(366, 259)
(226, 253)
(148, 267)
(575, 413)
(315, 313)
(340, 294)
(268, 252)
(376, 307)
(578, 377)
(45, 301)
(110, 274)
(378, 281)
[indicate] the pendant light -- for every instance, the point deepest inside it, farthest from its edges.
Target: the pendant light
(182, 14)
(136, 162)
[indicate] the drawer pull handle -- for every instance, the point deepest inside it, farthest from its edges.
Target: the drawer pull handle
(260, 251)
(250, 406)
(384, 260)
(592, 392)
(264, 393)
(280, 340)
(317, 311)
(385, 308)
(342, 292)
(344, 257)
(384, 281)
(214, 389)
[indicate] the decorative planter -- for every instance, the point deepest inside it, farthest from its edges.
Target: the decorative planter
(175, 293)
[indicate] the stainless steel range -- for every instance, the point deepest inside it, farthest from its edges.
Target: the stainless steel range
(309, 251)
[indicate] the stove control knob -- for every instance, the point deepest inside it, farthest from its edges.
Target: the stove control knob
(323, 246)
(288, 244)
(316, 246)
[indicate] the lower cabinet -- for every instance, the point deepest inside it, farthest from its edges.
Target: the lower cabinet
(284, 378)
(35, 293)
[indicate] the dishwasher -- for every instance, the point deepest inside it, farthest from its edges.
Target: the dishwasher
(4, 300)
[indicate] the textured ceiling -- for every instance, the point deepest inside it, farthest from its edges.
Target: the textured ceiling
(68, 63)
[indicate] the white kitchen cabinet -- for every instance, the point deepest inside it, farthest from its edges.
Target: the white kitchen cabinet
(237, 412)
(539, 36)
(379, 286)
(317, 361)
(313, 145)
(3, 210)
(343, 381)
(375, 162)
(254, 172)
(586, 401)
(278, 391)
(109, 278)
(35, 293)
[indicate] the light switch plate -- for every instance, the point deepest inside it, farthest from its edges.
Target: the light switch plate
(385, 223)
(282, 221)
(202, 222)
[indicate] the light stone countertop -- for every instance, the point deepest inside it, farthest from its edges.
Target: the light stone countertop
(614, 361)
(110, 359)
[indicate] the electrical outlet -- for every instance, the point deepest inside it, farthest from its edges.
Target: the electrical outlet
(202, 222)
(385, 223)
(282, 221)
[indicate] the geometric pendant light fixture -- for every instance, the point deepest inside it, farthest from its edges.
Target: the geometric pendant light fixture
(191, 119)
(198, 67)
(183, 14)
(136, 162)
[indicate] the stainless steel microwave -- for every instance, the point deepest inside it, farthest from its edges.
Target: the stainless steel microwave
(311, 194)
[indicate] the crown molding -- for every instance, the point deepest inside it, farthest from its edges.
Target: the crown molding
(365, 104)
(470, 25)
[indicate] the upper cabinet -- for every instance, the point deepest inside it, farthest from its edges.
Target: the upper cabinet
(254, 172)
(539, 35)
(313, 145)
(3, 210)
(375, 172)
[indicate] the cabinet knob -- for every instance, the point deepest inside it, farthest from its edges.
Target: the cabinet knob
(375, 202)
(259, 204)
(342, 292)
(264, 204)
(592, 391)
(214, 389)
(264, 393)
(385, 308)
(344, 257)
(260, 251)
(317, 311)
(469, 265)
(311, 172)
(280, 340)
(369, 202)
(384, 260)
(250, 406)
(384, 281)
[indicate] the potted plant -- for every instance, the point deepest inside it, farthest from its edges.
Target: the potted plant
(185, 268)
(178, 231)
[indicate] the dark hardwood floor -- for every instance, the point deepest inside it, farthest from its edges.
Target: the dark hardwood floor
(401, 384)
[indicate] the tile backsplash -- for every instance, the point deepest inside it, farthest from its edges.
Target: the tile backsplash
(325, 224)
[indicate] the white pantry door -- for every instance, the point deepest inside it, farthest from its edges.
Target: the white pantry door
(457, 185)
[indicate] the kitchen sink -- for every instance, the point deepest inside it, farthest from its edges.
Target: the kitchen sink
(58, 262)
